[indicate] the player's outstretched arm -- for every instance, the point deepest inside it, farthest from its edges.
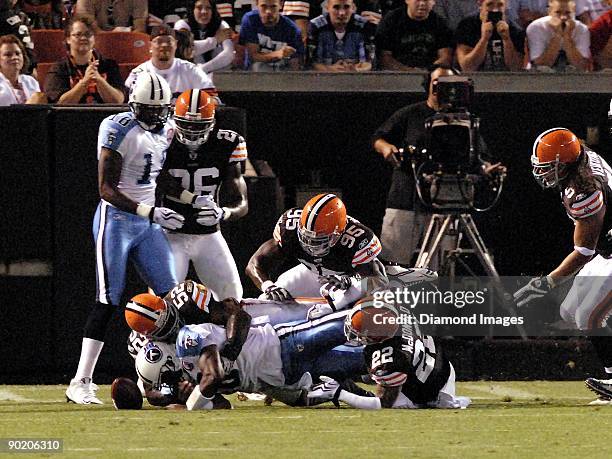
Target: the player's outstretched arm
(210, 366)
(263, 260)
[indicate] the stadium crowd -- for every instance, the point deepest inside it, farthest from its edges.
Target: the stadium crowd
(272, 35)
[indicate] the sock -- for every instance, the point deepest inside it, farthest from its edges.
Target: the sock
(90, 351)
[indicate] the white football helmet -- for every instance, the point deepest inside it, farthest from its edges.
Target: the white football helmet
(157, 364)
(150, 98)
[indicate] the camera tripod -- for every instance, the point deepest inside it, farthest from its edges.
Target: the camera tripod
(457, 226)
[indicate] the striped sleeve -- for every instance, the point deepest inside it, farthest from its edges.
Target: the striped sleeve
(394, 379)
(587, 206)
(240, 152)
(368, 253)
(201, 297)
(296, 9)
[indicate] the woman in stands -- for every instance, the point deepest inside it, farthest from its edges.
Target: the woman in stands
(84, 77)
(15, 87)
(213, 46)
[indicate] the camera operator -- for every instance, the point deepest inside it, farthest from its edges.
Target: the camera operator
(488, 41)
(405, 218)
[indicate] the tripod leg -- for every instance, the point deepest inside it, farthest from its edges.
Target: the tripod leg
(431, 242)
(480, 249)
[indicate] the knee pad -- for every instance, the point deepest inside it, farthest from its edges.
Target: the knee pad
(97, 321)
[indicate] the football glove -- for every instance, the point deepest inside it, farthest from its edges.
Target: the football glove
(319, 310)
(329, 389)
(167, 218)
(202, 201)
(275, 293)
(333, 282)
(211, 214)
(535, 288)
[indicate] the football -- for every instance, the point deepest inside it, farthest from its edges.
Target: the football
(126, 394)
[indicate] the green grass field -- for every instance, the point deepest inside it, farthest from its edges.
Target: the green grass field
(507, 419)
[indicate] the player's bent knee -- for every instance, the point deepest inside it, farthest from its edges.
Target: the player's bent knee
(97, 321)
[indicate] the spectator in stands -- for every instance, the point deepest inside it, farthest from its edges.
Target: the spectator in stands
(601, 44)
(15, 87)
(557, 41)
(338, 40)
(83, 77)
(213, 45)
(587, 11)
(184, 45)
(180, 74)
(167, 11)
(487, 41)
(304, 11)
(115, 15)
(273, 41)
(413, 37)
(14, 22)
(44, 14)
(528, 11)
(453, 11)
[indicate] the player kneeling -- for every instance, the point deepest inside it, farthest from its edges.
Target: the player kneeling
(409, 369)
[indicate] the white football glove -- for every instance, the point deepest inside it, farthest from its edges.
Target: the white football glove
(167, 218)
(319, 310)
(211, 214)
(535, 288)
(328, 389)
(202, 201)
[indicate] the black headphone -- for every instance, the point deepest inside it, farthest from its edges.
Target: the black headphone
(427, 77)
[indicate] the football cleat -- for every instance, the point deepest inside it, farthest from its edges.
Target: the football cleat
(82, 392)
(602, 387)
(601, 401)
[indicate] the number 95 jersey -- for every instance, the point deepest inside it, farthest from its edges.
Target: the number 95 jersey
(357, 245)
(201, 171)
(415, 363)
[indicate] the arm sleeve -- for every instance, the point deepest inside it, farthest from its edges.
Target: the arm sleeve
(201, 79)
(203, 46)
(392, 129)
(537, 41)
(583, 41)
(221, 60)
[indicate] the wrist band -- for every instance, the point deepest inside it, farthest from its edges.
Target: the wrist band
(266, 285)
(584, 251)
(197, 401)
(187, 197)
(145, 211)
(551, 281)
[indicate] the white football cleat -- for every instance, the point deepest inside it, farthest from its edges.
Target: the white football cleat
(601, 401)
(82, 392)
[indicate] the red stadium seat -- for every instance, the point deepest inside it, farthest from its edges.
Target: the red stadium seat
(123, 47)
(42, 69)
(49, 44)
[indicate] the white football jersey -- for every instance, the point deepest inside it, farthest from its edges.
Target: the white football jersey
(181, 76)
(143, 152)
(259, 361)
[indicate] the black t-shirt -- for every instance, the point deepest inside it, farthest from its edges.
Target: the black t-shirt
(63, 76)
(413, 43)
(468, 33)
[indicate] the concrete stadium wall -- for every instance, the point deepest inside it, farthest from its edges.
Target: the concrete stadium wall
(48, 187)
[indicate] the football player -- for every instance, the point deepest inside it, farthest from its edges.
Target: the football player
(584, 180)
(127, 225)
(410, 369)
(283, 358)
(203, 158)
(337, 256)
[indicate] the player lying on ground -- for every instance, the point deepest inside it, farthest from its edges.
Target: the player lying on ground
(410, 369)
